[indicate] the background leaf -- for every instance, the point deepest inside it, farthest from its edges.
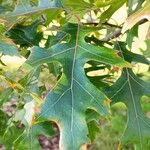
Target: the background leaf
(129, 89)
(142, 13)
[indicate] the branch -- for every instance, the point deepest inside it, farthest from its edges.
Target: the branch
(112, 35)
(117, 32)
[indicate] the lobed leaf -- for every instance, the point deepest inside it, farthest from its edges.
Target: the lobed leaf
(74, 94)
(129, 89)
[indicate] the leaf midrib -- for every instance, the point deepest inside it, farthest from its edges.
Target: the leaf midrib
(135, 109)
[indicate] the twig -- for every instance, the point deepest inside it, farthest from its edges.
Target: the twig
(112, 25)
(112, 35)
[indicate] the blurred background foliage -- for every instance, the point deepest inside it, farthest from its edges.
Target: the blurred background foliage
(20, 97)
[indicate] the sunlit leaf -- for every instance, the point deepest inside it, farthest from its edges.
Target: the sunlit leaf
(115, 5)
(143, 13)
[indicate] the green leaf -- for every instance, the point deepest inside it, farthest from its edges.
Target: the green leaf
(24, 138)
(46, 10)
(67, 102)
(129, 89)
(52, 40)
(29, 138)
(6, 5)
(93, 130)
(5, 95)
(77, 4)
(99, 81)
(111, 10)
(100, 3)
(130, 56)
(143, 13)
(10, 131)
(131, 35)
(25, 35)
(92, 119)
(54, 68)
(147, 51)
(24, 8)
(3, 122)
(7, 49)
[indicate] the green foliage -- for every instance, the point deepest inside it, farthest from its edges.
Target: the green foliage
(55, 66)
(25, 35)
(25, 8)
(129, 89)
(73, 93)
(111, 10)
